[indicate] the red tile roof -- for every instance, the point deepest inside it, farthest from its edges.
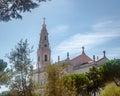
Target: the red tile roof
(81, 59)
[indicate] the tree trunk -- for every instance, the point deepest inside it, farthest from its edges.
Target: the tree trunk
(94, 93)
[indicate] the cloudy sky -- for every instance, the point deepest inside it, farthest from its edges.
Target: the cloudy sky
(71, 24)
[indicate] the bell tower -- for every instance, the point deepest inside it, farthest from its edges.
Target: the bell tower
(43, 52)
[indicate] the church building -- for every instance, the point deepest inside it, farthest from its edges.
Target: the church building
(76, 65)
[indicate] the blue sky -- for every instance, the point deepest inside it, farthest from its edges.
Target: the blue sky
(71, 24)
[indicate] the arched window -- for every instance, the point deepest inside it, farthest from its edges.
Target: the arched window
(45, 57)
(45, 45)
(45, 38)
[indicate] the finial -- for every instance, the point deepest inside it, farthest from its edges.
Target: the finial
(83, 49)
(58, 58)
(44, 25)
(97, 58)
(104, 54)
(44, 20)
(93, 58)
(67, 55)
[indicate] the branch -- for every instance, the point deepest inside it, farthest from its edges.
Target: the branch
(117, 82)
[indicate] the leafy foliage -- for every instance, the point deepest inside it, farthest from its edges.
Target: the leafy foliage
(111, 90)
(6, 93)
(55, 85)
(96, 83)
(3, 65)
(12, 9)
(21, 84)
(79, 81)
(111, 71)
(3, 73)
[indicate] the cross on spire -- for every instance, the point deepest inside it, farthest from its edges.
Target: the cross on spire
(44, 25)
(44, 20)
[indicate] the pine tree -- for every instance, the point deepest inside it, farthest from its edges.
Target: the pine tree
(21, 84)
(3, 72)
(12, 9)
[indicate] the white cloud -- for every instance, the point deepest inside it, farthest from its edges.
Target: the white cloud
(100, 34)
(59, 29)
(106, 26)
(114, 52)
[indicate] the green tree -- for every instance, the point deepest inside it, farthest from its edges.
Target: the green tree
(12, 9)
(6, 93)
(3, 75)
(95, 78)
(79, 81)
(111, 71)
(54, 83)
(21, 84)
(111, 90)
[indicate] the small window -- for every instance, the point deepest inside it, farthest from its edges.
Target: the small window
(45, 38)
(45, 45)
(45, 57)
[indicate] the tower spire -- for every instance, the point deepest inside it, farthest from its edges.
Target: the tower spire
(44, 51)
(44, 25)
